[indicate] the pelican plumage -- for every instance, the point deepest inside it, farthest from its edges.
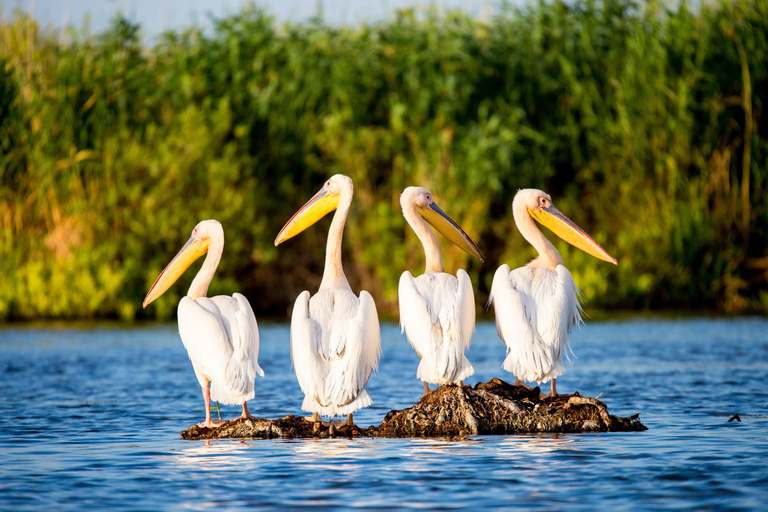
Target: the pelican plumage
(537, 305)
(335, 336)
(220, 333)
(437, 309)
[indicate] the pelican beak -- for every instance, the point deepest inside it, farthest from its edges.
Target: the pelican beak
(193, 249)
(449, 229)
(566, 229)
(316, 208)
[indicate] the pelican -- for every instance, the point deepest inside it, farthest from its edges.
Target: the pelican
(437, 310)
(537, 305)
(219, 333)
(335, 336)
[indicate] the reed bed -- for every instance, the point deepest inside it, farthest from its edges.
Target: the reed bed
(644, 122)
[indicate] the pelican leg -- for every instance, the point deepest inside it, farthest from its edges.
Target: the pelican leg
(246, 415)
(426, 389)
(208, 423)
(339, 423)
(315, 418)
(552, 392)
(518, 382)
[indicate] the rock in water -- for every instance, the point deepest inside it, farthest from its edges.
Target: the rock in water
(493, 407)
(496, 407)
(258, 428)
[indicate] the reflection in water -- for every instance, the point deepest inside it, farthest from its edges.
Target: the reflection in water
(213, 455)
(335, 454)
(537, 445)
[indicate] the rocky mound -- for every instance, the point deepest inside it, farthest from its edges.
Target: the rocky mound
(493, 407)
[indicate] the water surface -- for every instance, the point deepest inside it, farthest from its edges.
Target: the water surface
(91, 419)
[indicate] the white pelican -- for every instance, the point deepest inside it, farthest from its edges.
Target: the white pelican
(219, 333)
(537, 305)
(335, 336)
(437, 310)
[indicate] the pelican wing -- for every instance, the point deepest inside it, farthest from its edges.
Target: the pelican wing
(244, 363)
(416, 318)
(237, 323)
(528, 357)
(205, 337)
(306, 350)
(361, 340)
(249, 331)
(437, 312)
(466, 301)
(556, 297)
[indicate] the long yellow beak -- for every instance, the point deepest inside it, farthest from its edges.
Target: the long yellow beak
(316, 208)
(449, 229)
(566, 229)
(193, 249)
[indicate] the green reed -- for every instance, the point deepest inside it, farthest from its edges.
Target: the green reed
(642, 121)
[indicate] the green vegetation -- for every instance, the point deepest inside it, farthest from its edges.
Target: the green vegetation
(644, 122)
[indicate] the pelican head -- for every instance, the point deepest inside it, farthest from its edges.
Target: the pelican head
(421, 199)
(539, 206)
(321, 204)
(196, 246)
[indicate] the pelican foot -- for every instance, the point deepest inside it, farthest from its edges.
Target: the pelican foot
(339, 423)
(552, 392)
(246, 413)
(315, 418)
(426, 389)
(518, 382)
(211, 423)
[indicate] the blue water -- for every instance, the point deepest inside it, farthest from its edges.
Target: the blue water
(90, 418)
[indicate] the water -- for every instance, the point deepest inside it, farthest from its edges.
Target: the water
(91, 419)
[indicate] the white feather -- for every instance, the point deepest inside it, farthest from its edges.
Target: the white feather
(222, 340)
(306, 349)
(437, 313)
(335, 345)
(536, 309)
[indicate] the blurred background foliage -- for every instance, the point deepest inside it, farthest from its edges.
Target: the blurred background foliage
(644, 121)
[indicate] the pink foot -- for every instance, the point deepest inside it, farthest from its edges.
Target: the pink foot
(211, 423)
(208, 423)
(518, 382)
(246, 414)
(315, 418)
(552, 392)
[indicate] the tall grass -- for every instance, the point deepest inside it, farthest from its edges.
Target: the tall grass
(643, 122)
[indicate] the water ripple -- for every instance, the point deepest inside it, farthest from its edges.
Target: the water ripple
(91, 419)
